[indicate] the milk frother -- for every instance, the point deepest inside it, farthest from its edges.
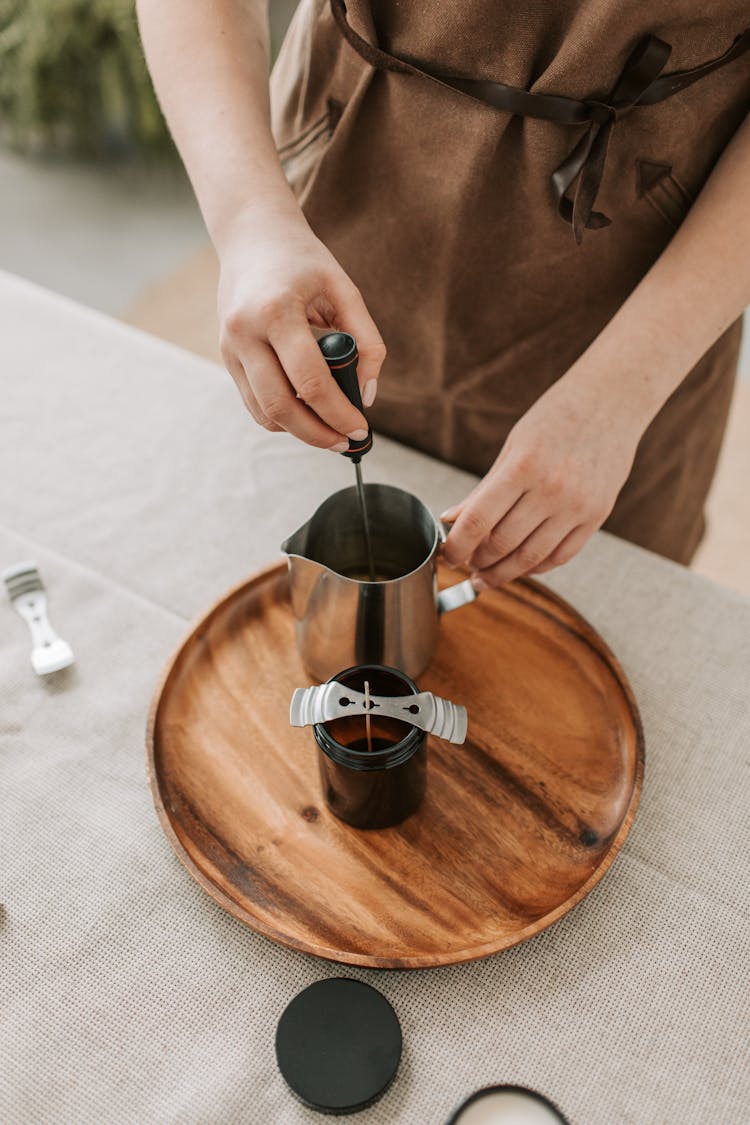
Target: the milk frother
(340, 353)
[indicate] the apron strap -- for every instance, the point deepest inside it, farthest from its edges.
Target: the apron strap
(640, 83)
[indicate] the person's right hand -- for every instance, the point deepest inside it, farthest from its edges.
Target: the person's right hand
(277, 282)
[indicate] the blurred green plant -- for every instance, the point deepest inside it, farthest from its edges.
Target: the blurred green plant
(73, 79)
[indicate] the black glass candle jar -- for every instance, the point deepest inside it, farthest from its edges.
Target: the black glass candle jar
(381, 786)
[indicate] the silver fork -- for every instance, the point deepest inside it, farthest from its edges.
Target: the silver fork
(49, 652)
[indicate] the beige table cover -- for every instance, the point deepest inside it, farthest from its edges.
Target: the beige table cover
(130, 472)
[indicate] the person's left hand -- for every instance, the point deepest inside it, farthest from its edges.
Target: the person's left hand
(553, 484)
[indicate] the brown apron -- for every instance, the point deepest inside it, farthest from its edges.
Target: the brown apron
(496, 178)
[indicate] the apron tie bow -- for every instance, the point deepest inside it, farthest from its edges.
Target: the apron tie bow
(601, 113)
(641, 83)
(587, 159)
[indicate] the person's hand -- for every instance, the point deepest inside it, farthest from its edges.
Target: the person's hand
(277, 281)
(554, 483)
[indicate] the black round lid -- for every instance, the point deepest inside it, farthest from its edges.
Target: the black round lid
(338, 1045)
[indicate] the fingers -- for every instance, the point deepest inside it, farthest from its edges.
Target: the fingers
(267, 315)
(527, 557)
(524, 517)
(354, 316)
(237, 371)
(270, 398)
(570, 546)
(483, 509)
(450, 515)
(301, 360)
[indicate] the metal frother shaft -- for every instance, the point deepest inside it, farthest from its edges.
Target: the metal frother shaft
(340, 353)
(365, 521)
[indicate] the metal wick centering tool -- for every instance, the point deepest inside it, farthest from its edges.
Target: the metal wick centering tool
(340, 353)
(334, 700)
(49, 653)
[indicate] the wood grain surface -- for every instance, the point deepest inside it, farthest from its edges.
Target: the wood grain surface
(517, 826)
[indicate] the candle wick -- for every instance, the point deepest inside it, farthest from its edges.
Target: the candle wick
(367, 716)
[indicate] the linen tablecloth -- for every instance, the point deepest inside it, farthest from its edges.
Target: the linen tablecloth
(131, 473)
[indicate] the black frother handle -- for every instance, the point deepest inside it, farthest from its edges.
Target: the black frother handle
(340, 353)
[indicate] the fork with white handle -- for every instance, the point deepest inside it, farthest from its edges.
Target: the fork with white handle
(49, 653)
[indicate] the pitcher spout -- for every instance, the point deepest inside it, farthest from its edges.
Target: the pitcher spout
(304, 568)
(296, 543)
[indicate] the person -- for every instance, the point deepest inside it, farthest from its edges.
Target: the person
(542, 209)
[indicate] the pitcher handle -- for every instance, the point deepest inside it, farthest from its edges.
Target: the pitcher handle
(453, 597)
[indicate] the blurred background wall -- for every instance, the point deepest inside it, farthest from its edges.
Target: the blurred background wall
(94, 201)
(95, 205)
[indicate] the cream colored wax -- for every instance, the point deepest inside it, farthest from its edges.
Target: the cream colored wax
(508, 1107)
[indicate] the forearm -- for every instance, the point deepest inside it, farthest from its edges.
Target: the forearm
(699, 285)
(209, 64)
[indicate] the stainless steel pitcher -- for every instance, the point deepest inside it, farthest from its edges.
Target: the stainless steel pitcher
(342, 618)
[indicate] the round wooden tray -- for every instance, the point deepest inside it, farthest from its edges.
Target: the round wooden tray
(517, 826)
